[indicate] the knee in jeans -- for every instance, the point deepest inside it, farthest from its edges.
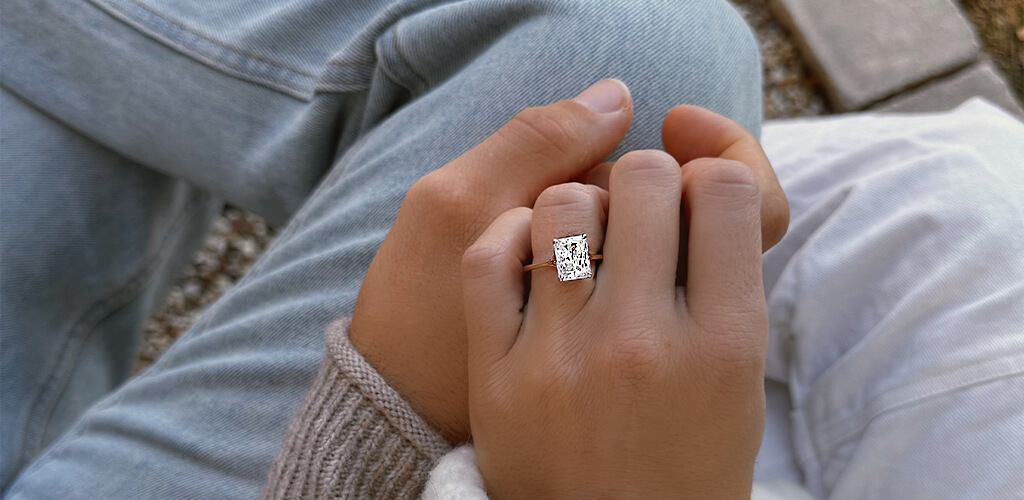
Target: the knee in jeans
(707, 37)
(669, 52)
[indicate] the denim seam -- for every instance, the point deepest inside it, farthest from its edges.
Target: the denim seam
(394, 78)
(385, 59)
(213, 40)
(45, 401)
(347, 64)
(294, 82)
(402, 59)
(297, 222)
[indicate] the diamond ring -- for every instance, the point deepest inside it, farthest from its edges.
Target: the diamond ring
(572, 258)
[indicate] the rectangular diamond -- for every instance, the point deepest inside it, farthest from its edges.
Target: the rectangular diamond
(572, 258)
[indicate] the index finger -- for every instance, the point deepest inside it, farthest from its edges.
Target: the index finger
(493, 286)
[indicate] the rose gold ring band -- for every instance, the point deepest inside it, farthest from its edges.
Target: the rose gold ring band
(551, 263)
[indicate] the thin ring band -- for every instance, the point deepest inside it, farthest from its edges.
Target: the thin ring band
(551, 263)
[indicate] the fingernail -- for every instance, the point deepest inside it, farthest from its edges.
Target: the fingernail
(605, 96)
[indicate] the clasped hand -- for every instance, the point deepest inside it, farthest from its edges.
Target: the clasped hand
(646, 380)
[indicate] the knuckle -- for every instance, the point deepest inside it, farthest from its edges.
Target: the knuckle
(544, 132)
(450, 201)
(647, 167)
(636, 356)
(556, 376)
(728, 376)
(732, 352)
(726, 180)
(482, 259)
(637, 360)
(441, 192)
(491, 392)
(572, 197)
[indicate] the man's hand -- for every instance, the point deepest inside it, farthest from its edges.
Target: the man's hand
(628, 385)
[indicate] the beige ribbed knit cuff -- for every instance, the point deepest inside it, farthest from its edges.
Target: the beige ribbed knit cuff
(353, 436)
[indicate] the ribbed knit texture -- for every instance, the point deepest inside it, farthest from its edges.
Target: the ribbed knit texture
(353, 436)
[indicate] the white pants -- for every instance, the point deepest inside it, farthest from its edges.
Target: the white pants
(896, 360)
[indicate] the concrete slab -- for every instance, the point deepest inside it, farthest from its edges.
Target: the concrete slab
(867, 50)
(981, 79)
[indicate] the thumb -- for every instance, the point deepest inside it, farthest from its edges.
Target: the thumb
(547, 145)
(493, 287)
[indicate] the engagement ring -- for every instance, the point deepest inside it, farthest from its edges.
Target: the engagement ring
(572, 259)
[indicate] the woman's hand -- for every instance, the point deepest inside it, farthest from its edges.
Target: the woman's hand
(628, 384)
(408, 319)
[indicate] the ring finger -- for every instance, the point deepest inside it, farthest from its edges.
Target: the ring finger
(566, 212)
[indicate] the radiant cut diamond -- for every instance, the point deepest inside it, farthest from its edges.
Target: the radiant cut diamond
(572, 258)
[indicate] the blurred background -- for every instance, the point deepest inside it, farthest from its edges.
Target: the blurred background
(820, 57)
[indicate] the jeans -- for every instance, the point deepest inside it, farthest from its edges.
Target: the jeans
(128, 122)
(896, 352)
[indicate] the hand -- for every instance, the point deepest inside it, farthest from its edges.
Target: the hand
(408, 319)
(628, 384)
(691, 132)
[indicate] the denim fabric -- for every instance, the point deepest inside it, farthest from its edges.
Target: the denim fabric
(258, 103)
(90, 241)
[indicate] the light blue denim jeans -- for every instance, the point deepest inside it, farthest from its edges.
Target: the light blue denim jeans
(126, 125)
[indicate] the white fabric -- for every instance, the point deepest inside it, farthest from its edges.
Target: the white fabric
(897, 304)
(455, 477)
(896, 360)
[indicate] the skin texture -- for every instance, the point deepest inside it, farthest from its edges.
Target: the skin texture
(409, 321)
(627, 385)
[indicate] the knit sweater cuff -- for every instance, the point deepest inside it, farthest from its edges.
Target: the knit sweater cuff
(353, 436)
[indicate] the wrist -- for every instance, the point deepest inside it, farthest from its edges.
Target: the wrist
(401, 363)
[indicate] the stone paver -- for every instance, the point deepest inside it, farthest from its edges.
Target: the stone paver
(981, 79)
(867, 50)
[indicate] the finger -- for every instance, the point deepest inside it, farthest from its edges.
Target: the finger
(548, 145)
(565, 210)
(598, 175)
(691, 132)
(642, 240)
(723, 200)
(492, 285)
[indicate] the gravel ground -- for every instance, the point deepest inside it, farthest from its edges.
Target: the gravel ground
(788, 87)
(1001, 26)
(238, 238)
